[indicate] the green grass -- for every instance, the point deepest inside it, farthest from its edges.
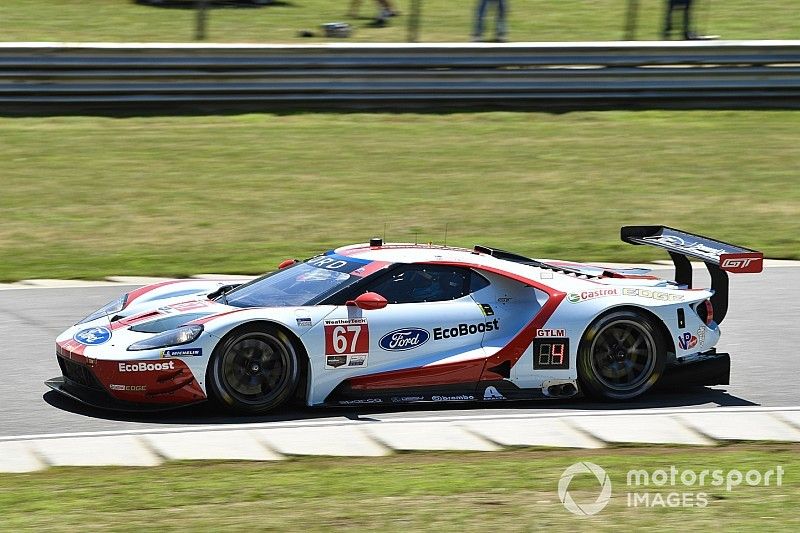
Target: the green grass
(86, 196)
(501, 491)
(442, 20)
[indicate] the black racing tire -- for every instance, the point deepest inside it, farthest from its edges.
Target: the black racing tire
(254, 369)
(622, 355)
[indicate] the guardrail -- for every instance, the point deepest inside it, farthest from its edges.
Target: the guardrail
(558, 75)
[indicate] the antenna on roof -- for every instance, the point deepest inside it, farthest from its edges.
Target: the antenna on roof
(445, 234)
(384, 231)
(416, 237)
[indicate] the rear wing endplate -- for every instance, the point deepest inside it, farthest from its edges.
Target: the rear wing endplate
(719, 257)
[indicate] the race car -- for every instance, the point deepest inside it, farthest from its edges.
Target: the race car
(379, 323)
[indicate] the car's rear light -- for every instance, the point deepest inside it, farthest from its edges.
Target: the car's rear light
(705, 310)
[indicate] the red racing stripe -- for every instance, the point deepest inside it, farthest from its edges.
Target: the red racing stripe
(474, 370)
(133, 295)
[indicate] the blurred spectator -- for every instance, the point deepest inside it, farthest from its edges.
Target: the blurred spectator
(385, 10)
(500, 24)
(675, 5)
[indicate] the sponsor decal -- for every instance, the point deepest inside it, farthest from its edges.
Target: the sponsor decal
(701, 336)
(357, 360)
(545, 274)
(465, 329)
(655, 295)
(491, 393)
(345, 337)
(551, 333)
(345, 361)
(742, 262)
(190, 306)
(694, 247)
(486, 309)
(182, 352)
(93, 336)
(457, 398)
(337, 263)
(144, 366)
(360, 401)
(503, 300)
(575, 297)
(398, 399)
(128, 388)
(304, 322)
(551, 353)
(687, 341)
(404, 339)
(335, 361)
(345, 321)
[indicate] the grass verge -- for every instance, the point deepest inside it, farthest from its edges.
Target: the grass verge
(442, 20)
(502, 491)
(84, 197)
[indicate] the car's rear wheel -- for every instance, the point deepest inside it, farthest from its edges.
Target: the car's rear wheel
(622, 354)
(255, 369)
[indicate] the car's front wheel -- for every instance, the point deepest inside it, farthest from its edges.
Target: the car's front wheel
(253, 370)
(622, 354)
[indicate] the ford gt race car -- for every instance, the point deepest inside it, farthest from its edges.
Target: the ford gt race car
(383, 323)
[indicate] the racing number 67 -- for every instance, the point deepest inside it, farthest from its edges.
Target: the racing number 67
(346, 339)
(340, 338)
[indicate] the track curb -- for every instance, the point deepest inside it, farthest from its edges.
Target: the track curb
(372, 438)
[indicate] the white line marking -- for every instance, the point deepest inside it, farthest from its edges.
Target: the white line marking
(370, 419)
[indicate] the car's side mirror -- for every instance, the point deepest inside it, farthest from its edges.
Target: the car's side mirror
(369, 301)
(286, 263)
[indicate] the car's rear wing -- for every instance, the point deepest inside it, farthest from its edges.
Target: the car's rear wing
(719, 257)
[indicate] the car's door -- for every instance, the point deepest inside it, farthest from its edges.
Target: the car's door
(430, 317)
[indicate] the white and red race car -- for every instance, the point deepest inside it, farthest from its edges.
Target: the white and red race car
(383, 323)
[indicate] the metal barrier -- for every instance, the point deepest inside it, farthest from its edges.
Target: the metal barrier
(558, 75)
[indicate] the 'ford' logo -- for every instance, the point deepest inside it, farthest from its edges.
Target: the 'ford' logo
(404, 339)
(93, 336)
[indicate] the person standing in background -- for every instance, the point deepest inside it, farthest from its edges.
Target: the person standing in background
(500, 25)
(385, 10)
(675, 5)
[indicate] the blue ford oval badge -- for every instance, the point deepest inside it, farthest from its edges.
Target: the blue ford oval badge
(93, 336)
(404, 339)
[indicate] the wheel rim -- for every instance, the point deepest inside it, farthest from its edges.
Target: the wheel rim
(255, 368)
(623, 356)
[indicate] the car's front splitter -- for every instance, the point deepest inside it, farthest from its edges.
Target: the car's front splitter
(160, 383)
(101, 400)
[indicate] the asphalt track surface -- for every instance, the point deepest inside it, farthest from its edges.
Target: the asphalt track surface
(761, 332)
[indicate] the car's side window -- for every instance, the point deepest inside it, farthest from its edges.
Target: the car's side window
(427, 283)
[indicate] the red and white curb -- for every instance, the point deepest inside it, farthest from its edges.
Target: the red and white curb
(371, 438)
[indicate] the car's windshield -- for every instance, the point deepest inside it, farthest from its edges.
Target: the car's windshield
(297, 285)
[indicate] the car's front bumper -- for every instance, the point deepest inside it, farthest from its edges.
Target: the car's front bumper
(140, 385)
(102, 400)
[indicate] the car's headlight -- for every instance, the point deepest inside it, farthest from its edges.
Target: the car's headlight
(173, 337)
(109, 309)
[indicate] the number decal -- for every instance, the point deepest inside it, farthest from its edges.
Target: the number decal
(558, 354)
(346, 336)
(544, 354)
(551, 353)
